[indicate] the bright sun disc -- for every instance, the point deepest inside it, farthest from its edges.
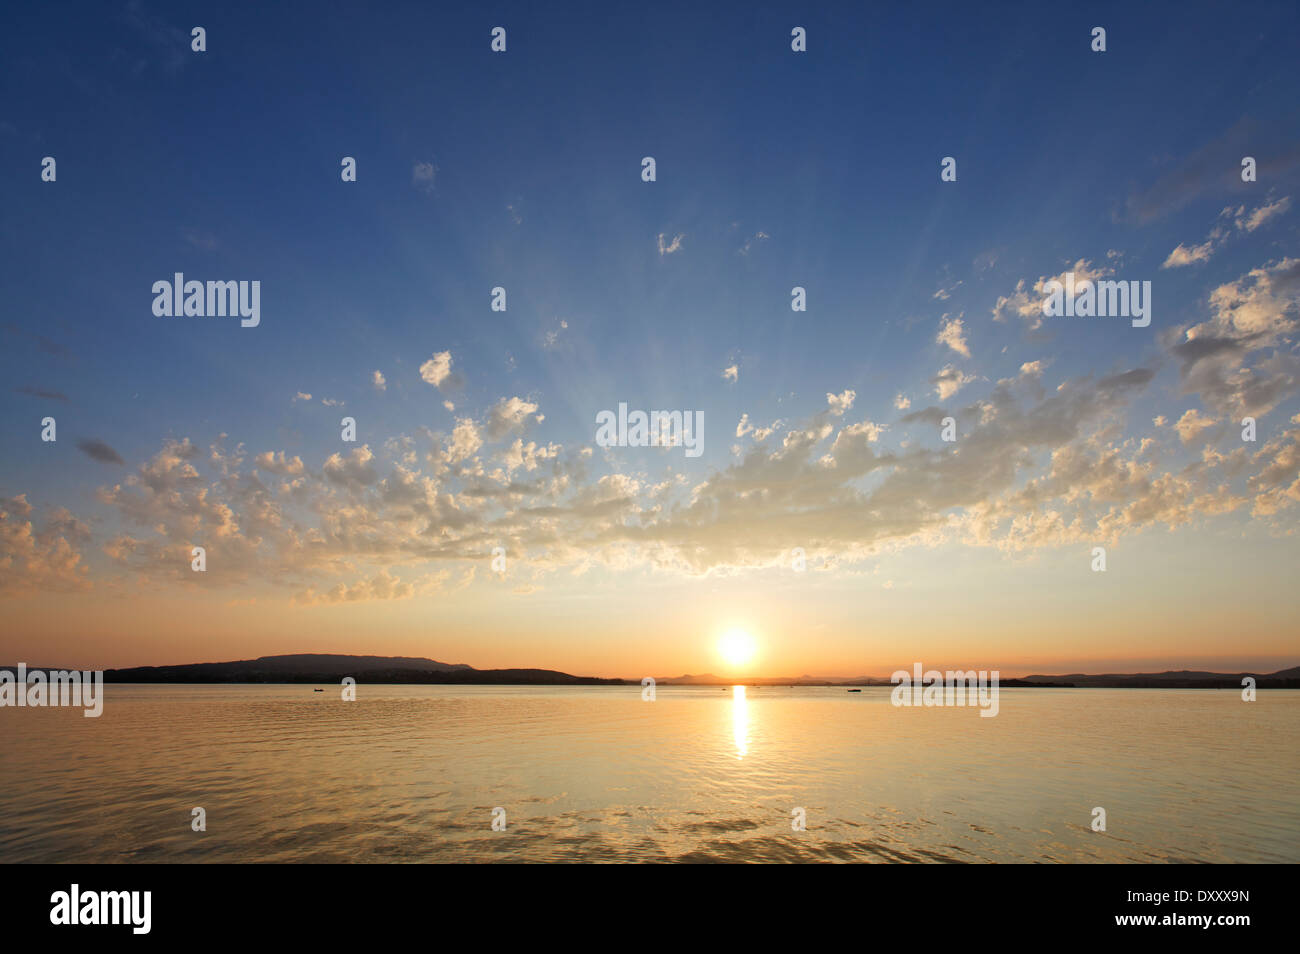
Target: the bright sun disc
(737, 647)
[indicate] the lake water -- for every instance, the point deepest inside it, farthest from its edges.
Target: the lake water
(413, 773)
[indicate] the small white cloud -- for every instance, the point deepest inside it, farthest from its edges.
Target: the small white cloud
(949, 381)
(670, 247)
(943, 294)
(1191, 425)
(300, 396)
(1189, 255)
(422, 175)
(731, 373)
(902, 402)
(839, 403)
(551, 340)
(952, 334)
(379, 381)
(1248, 223)
(511, 415)
(436, 369)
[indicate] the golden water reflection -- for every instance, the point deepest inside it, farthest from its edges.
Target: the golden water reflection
(740, 720)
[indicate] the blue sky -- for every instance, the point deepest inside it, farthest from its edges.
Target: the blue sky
(776, 169)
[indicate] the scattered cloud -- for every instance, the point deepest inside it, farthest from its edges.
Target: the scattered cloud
(437, 369)
(98, 450)
(952, 334)
(42, 393)
(551, 340)
(949, 381)
(423, 175)
(670, 247)
(838, 404)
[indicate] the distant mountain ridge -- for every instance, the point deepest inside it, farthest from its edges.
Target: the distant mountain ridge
(1172, 679)
(330, 667)
(1176, 679)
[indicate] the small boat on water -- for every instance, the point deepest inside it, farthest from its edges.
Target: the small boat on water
(855, 690)
(318, 690)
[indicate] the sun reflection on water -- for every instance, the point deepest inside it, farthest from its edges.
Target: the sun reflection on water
(740, 720)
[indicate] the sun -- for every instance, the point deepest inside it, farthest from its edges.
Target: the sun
(737, 647)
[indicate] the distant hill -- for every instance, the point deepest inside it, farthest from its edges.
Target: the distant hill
(1181, 679)
(324, 667)
(330, 667)
(709, 679)
(1176, 679)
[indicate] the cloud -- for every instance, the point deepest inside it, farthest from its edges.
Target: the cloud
(422, 176)
(670, 247)
(943, 294)
(752, 241)
(200, 240)
(528, 456)
(1244, 222)
(355, 471)
(1192, 425)
(169, 43)
(902, 402)
(383, 586)
(1261, 215)
(551, 340)
(1215, 169)
(731, 373)
(839, 403)
(512, 415)
(744, 427)
(953, 335)
(39, 561)
(98, 450)
(1185, 255)
(42, 393)
(949, 381)
(300, 396)
(1023, 304)
(380, 383)
(1035, 467)
(437, 369)
(47, 345)
(465, 441)
(275, 462)
(1236, 361)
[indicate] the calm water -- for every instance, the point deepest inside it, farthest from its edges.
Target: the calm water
(412, 774)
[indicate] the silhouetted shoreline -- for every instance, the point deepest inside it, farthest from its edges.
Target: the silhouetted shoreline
(414, 670)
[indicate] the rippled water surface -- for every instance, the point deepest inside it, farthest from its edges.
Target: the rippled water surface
(412, 773)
